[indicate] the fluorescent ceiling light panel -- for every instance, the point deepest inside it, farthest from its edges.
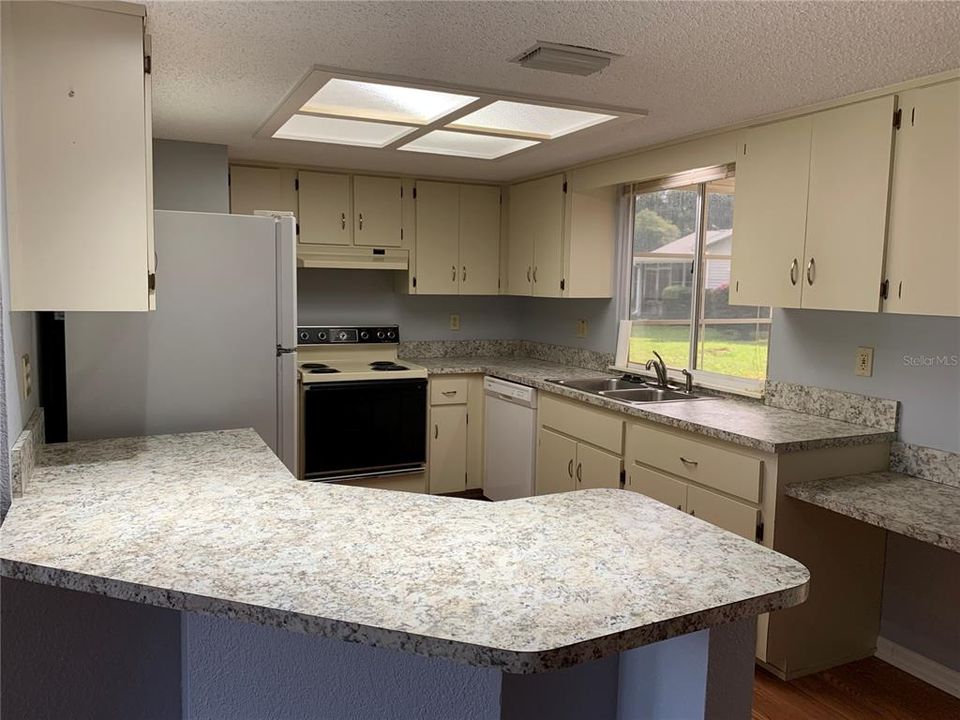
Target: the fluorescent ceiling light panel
(341, 132)
(536, 121)
(375, 101)
(483, 147)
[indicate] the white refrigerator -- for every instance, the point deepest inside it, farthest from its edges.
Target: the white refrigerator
(219, 352)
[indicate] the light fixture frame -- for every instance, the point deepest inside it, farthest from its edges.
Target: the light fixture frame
(319, 75)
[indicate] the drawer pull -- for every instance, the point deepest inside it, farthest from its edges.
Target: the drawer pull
(687, 461)
(449, 393)
(570, 468)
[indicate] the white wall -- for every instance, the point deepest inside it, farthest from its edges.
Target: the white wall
(921, 590)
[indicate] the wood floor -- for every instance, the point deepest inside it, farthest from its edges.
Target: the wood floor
(867, 689)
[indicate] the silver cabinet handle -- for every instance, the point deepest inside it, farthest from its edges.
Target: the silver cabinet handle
(811, 271)
(436, 431)
(361, 221)
(534, 273)
(448, 393)
(570, 468)
(528, 273)
(580, 472)
(687, 461)
(343, 221)
(794, 266)
(453, 271)
(464, 273)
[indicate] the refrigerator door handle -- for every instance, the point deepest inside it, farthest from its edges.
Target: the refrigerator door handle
(284, 350)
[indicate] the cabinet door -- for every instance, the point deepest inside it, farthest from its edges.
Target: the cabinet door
(377, 211)
(723, 512)
(520, 228)
(448, 448)
(479, 240)
(596, 468)
(923, 246)
(324, 214)
(548, 237)
(658, 486)
(556, 461)
(253, 188)
(850, 155)
(770, 214)
(438, 238)
(78, 158)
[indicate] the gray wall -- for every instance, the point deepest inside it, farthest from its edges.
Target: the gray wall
(921, 591)
(190, 176)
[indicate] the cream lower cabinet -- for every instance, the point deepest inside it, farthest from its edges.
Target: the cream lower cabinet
(455, 451)
(78, 154)
(742, 491)
(578, 447)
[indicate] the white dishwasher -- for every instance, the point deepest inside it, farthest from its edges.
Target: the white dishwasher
(509, 439)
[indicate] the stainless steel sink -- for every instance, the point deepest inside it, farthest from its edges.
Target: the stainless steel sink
(647, 394)
(600, 385)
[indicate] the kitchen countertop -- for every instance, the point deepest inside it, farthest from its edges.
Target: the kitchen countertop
(743, 422)
(213, 523)
(911, 506)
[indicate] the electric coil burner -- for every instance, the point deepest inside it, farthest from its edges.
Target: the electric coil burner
(363, 413)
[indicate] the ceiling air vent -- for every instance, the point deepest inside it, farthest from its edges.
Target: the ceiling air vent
(569, 59)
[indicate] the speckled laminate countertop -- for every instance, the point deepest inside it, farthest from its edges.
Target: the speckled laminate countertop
(743, 422)
(213, 523)
(911, 506)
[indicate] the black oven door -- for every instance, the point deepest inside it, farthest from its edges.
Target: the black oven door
(358, 428)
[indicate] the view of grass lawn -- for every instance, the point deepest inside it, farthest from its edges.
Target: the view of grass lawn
(722, 348)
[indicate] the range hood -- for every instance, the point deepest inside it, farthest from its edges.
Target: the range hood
(352, 258)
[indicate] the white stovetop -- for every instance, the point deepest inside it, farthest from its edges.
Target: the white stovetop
(351, 369)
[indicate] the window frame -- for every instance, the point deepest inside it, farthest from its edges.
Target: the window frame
(704, 378)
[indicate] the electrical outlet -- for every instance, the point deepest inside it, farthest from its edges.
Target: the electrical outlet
(26, 377)
(454, 322)
(864, 362)
(581, 328)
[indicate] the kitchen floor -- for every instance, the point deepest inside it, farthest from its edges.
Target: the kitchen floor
(860, 690)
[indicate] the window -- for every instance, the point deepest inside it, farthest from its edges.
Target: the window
(679, 282)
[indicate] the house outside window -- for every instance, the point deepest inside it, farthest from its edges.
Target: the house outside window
(679, 253)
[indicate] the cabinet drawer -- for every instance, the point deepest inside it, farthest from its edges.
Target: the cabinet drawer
(724, 470)
(582, 422)
(737, 517)
(448, 391)
(658, 486)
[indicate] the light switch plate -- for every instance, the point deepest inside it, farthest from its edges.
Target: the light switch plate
(864, 362)
(454, 322)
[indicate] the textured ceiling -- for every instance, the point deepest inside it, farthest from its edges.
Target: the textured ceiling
(222, 68)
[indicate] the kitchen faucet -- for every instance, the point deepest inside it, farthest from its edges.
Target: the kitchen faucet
(660, 367)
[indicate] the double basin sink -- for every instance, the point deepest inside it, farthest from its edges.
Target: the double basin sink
(625, 390)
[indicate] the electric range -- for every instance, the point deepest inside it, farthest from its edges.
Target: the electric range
(363, 411)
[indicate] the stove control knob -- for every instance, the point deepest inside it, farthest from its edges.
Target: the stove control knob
(322, 335)
(341, 336)
(380, 334)
(391, 334)
(304, 335)
(364, 335)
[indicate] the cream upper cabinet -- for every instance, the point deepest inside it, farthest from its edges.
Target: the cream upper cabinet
(259, 188)
(457, 239)
(78, 155)
(448, 448)
(377, 211)
(770, 214)
(560, 243)
(479, 240)
(556, 463)
(438, 238)
(923, 245)
(520, 238)
(850, 155)
(324, 208)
